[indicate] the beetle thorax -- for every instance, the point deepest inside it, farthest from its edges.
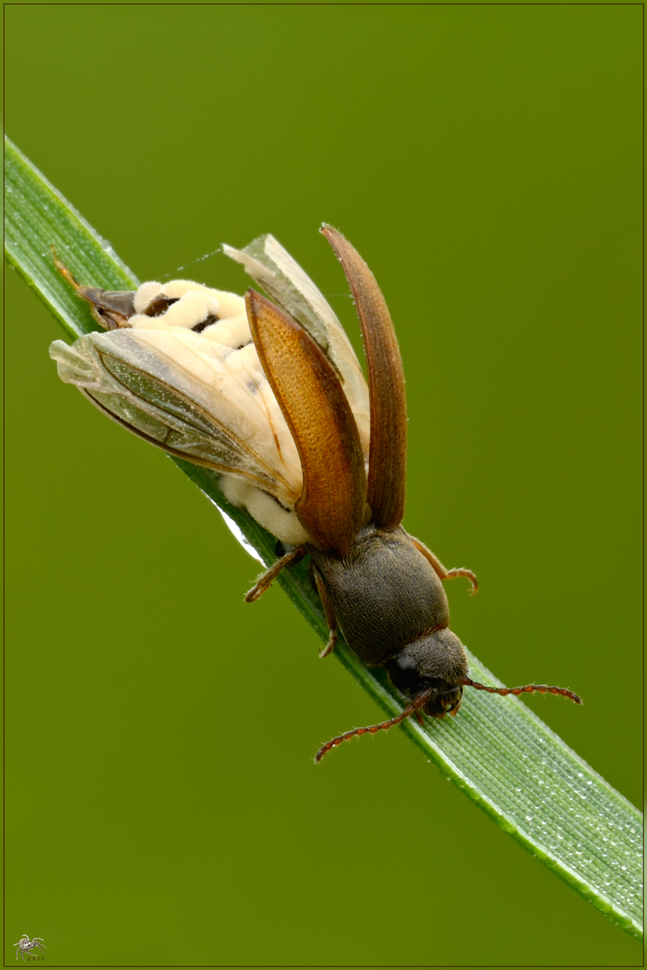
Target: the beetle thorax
(385, 593)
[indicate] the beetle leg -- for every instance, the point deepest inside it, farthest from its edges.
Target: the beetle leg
(441, 571)
(419, 719)
(268, 577)
(331, 619)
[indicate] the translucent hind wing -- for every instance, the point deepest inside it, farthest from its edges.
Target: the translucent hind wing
(272, 268)
(191, 397)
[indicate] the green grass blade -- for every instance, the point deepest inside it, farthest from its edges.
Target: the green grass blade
(38, 218)
(503, 756)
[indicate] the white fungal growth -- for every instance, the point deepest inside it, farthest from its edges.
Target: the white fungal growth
(184, 374)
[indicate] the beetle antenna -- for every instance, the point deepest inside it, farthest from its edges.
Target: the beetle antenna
(528, 689)
(374, 728)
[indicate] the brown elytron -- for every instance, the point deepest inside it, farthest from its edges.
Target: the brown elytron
(388, 449)
(331, 506)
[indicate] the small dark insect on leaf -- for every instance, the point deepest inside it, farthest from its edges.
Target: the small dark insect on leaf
(268, 392)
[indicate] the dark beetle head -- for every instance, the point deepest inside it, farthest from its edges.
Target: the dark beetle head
(432, 671)
(435, 662)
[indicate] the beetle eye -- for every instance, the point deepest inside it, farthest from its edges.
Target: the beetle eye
(403, 671)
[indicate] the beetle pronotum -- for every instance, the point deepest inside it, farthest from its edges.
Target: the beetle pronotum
(269, 393)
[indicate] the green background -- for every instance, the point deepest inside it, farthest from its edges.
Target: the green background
(163, 807)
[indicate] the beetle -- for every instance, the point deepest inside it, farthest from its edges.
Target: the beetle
(269, 393)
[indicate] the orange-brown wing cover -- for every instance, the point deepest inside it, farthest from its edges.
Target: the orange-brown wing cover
(388, 447)
(319, 416)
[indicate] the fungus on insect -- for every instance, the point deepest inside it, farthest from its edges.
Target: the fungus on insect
(267, 391)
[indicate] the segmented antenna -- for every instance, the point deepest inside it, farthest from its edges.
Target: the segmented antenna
(374, 728)
(420, 700)
(528, 689)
